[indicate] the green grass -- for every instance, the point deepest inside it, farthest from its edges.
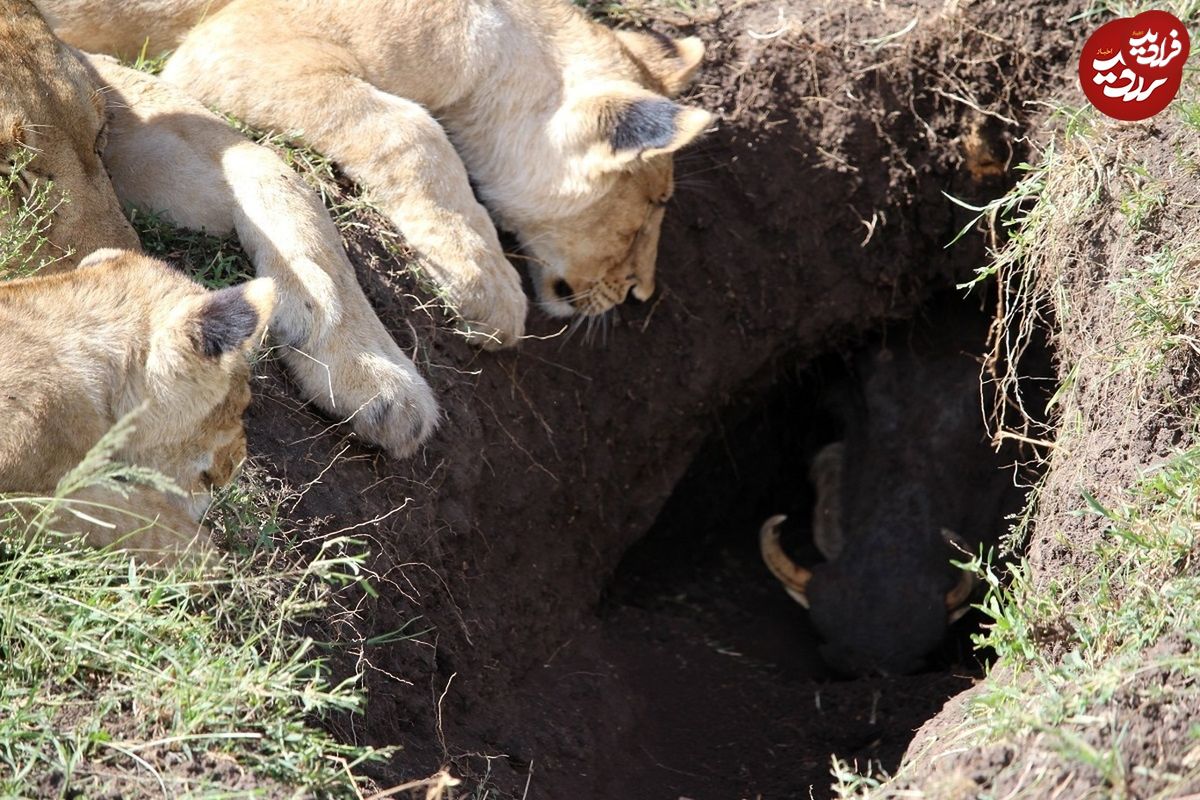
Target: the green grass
(1101, 10)
(150, 63)
(639, 11)
(1162, 301)
(215, 261)
(26, 211)
(122, 680)
(1189, 112)
(113, 673)
(1142, 589)
(1144, 197)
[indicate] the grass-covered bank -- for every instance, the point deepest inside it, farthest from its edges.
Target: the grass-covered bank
(1095, 692)
(121, 680)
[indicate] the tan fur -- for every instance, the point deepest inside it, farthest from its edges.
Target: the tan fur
(49, 104)
(125, 334)
(165, 152)
(531, 92)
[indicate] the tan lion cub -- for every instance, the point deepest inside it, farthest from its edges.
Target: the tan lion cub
(125, 333)
(566, 127)
(93, 126)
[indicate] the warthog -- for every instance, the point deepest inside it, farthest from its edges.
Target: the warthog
(912, 485)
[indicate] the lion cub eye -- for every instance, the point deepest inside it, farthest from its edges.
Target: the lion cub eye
(101, 139)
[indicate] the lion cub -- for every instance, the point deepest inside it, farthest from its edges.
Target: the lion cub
(98, 136)
(124, 334)
(565, 127)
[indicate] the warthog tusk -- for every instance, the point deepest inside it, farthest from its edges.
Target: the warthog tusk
(794, 577)
(956, 598)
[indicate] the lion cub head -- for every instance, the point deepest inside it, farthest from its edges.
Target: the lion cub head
(52, 131)
(588, 203)
(125, 334)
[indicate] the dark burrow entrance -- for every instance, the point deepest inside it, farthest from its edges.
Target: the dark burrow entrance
(709, 674)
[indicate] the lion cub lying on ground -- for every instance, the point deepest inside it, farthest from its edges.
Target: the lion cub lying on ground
(565, 127)
(125, 333)
(92, 126)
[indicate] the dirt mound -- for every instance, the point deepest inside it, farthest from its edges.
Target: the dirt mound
(815, 213)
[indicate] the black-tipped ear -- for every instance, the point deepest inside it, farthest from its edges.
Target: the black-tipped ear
(234, 319)
(646, 126)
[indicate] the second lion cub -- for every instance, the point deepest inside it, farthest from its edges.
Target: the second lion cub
(566, 128)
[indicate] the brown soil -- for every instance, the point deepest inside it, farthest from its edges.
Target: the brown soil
(1127, 420)
(556, 662)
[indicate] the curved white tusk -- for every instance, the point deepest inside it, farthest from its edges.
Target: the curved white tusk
(794, 577)
(956, 598)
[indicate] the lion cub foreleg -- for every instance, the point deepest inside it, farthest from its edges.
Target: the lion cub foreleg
(412, 172)
(396, 150)
(333, 342)
(167, 153)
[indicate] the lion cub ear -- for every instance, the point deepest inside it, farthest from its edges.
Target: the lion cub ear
(231, 320)
(643, 125)
(213, 324)
(671, 62)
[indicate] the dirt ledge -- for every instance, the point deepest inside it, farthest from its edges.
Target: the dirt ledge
(812, 215)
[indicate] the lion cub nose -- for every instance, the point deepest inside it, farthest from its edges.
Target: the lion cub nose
(564, 291)
(640, 292)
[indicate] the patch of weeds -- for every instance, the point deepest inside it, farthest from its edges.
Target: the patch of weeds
(1144, 197)
(1163, 301)
(246, 514)
(27, 207)
(150, 64)
(1189, 112)
(638, 12)
(118, 678)
(1186, 10)
(848, 782)
(214, 261)
(1071, 659)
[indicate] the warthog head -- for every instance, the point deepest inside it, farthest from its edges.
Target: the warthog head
(912, 486)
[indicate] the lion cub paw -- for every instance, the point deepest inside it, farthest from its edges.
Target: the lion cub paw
(492, 310)
(381, 395)
(401, 412)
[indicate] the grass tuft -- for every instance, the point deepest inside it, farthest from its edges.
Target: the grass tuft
(1070, 658)
(215, 261)
(118, 679)
(27, 207)
(114, 674)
